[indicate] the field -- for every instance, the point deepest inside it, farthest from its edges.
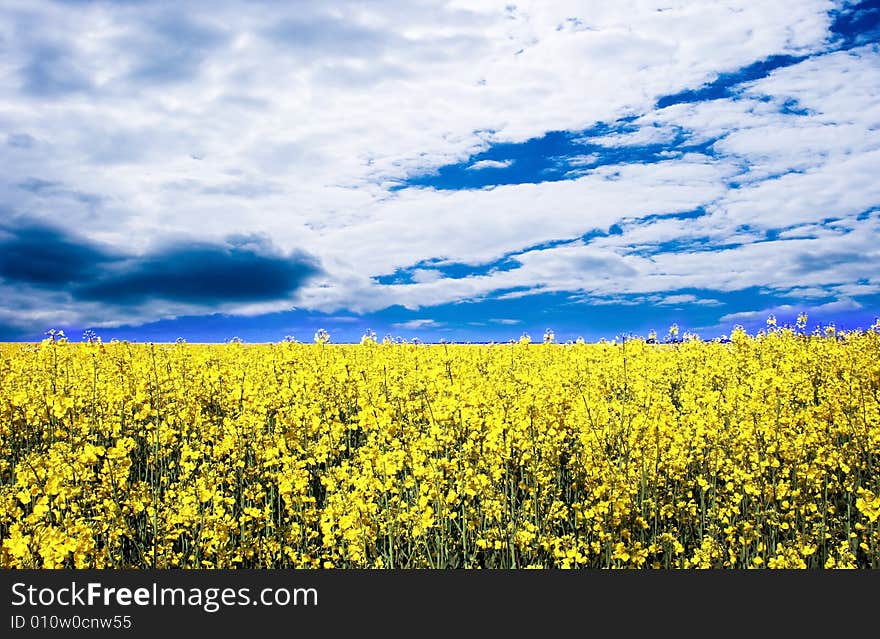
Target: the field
(757, 452)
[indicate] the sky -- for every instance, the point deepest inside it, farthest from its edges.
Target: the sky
(463, 170)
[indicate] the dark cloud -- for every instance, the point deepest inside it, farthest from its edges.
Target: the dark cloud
(44, 256)
(11, 333)
(202, 274)
(247, 268)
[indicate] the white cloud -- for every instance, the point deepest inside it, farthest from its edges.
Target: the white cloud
(789, 309)
(490, 164)
(302, 117)
(602, 269)
(674, 300)
(582, 160)
(418, 323)
(642, 136)
(426, 275)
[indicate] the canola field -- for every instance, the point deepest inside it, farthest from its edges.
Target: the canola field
(757, 452)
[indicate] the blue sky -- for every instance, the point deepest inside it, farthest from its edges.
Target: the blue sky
(461, 170)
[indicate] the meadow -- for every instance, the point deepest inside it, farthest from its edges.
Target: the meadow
(760, 451)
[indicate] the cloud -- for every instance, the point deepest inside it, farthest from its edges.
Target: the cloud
(200, 274)
(37, 186)
(51, 189)
(642, 136)
(44, 256)
(172, 48)
(582, 160)
(790, 310)
(242, 188)
(426, 275)
(309, 120)
(20, 140)
(12, 333)
(479, 227)
(50, 73)
(686, 298)
(330, 36)
(490, 164)
(73, 272)
(418, 323)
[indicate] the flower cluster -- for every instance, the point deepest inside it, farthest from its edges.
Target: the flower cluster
(758, 451)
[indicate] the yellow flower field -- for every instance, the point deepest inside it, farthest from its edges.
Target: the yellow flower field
(758, 452)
